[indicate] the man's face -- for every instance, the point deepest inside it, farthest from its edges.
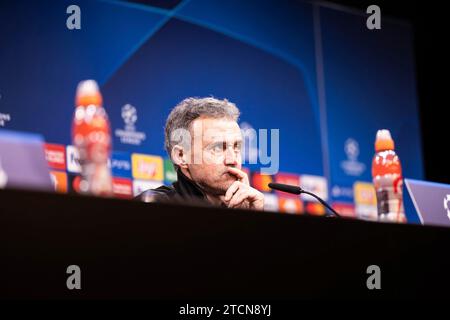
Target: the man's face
(216, 145)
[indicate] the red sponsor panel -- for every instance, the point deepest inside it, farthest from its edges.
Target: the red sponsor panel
(55, 154)
(290, 205)
(315, 208)
(344, 209)
(287, 178)
(260, 181)
(122, 188)
(73, 183)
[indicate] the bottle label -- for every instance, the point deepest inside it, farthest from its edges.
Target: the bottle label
(382, 202)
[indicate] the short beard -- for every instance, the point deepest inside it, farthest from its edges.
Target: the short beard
(214, 191)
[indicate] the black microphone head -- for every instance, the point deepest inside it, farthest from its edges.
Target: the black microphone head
(285, 188)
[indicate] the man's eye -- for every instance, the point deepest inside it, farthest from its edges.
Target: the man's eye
(218, 147)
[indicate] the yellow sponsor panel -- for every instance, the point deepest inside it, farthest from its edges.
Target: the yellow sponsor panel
(146, 167)
(364, 193)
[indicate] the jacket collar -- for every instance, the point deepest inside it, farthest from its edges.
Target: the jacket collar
(186, 187)
(189, 189)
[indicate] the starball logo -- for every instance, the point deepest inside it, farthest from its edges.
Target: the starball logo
(129, 134)
(4, 118)
(352, 166)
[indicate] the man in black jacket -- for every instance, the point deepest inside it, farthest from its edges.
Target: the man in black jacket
(204, 142)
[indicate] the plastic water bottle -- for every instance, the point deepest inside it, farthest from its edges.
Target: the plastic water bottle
(387, 179)
(91, 135)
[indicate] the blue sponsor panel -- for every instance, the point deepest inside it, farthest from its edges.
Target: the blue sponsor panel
(121, 164)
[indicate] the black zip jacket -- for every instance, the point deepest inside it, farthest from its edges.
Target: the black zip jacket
(182, 191)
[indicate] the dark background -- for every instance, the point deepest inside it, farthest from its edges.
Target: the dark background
(430, 34)
(430, 31)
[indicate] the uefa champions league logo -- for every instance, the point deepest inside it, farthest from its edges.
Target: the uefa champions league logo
(129, 115)
(4, 118)
(447, 205)
(351, 149)
(129, 135)
(352, 166)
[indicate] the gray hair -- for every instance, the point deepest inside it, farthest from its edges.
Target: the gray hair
(190, 109)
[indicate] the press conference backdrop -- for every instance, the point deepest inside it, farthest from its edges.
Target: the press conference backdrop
(313, 71)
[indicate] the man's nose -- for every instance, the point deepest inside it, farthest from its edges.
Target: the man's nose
(230, 157)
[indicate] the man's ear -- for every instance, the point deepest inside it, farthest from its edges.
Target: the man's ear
(179, 156)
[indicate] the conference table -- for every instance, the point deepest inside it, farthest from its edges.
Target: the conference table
(127, 249)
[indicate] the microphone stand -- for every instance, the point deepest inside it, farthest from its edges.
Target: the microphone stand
(297, 190)
(322, 202)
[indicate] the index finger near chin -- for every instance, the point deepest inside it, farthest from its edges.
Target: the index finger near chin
(241, 175)
(232, 190)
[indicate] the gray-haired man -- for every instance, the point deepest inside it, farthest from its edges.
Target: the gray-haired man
(204, 141)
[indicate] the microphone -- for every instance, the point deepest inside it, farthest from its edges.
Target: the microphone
(297, 190)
